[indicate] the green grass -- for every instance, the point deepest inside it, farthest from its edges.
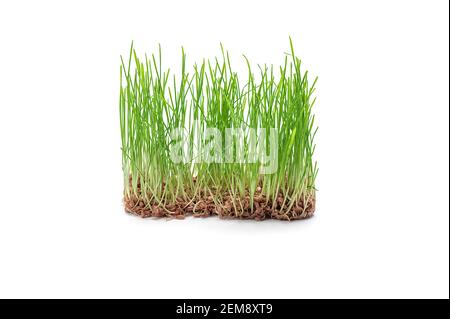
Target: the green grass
(210, 94)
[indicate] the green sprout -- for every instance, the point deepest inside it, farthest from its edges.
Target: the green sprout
(198, 143)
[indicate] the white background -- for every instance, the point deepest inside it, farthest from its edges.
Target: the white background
(382, 222)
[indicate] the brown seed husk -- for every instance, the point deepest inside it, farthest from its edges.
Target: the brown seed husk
(230, 207)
